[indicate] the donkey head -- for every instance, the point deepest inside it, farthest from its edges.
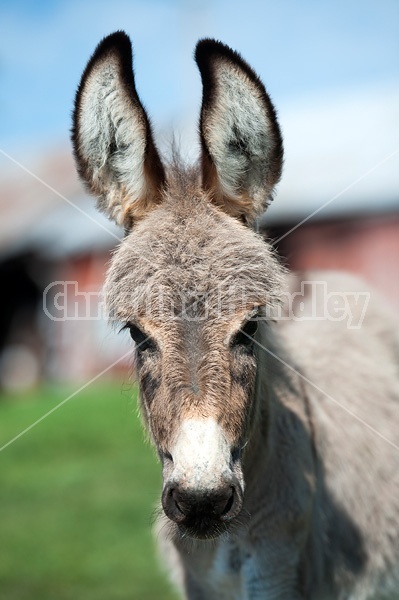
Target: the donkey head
(191, 276)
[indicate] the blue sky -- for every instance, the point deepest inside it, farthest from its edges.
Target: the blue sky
(298, 48)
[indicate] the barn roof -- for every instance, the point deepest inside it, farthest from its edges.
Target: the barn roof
(341, 156)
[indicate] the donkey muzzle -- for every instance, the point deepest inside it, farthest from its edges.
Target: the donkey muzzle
(203, 483)
(202, 511)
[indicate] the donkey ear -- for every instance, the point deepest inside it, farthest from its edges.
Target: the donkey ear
(242, 149)
(112, 138)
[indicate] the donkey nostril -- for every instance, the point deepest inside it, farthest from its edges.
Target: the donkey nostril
(179, 508)
(178, 502)
(229, 504)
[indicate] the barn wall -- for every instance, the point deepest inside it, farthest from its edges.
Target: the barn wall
(367, 247)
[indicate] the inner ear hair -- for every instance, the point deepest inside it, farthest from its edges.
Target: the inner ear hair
(242, 150)
(112, 137)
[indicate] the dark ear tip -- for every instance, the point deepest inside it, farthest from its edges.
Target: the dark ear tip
(118, 44)
(118, 41)
(207, 51)
(208, 48)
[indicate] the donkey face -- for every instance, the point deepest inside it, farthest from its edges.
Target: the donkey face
(191, 277)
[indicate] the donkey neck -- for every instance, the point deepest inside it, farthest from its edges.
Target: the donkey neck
(281, 422)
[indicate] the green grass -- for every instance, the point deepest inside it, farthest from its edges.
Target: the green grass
(77, 495)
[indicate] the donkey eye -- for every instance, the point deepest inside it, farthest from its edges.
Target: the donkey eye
(244, 337)
(141, 339)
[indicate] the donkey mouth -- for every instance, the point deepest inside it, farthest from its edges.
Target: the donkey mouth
(207, 530)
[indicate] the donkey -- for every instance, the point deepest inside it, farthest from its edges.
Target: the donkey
(278, 438)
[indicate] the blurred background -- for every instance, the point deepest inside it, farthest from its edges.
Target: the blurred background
(78, 489)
